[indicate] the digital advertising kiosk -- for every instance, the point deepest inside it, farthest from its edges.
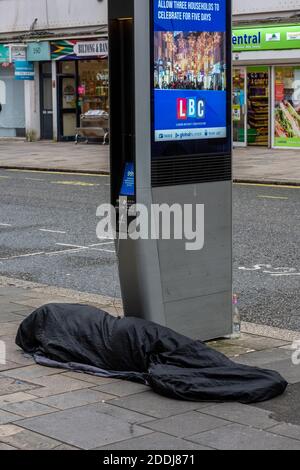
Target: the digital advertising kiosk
(170, 134)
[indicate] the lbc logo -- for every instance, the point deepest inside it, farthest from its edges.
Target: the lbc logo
(190, 108)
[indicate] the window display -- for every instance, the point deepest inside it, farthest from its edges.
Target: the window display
(93, 85)
(239, 105)
(287, 107)
(258, 106)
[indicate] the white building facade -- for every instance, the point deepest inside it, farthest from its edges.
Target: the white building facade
(53, 66)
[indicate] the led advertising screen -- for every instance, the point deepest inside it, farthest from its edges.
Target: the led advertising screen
(189, 70)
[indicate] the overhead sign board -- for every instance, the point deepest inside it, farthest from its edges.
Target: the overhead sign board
(4, 53)
(73, 49)
(266, 38)
(38, 51)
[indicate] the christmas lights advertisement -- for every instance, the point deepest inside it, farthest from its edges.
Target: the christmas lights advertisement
(189, 70)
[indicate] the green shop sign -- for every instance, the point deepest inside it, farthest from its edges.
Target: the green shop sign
(4, 53)
(266, 38)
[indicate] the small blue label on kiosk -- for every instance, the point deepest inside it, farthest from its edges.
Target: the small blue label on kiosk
(128, 186)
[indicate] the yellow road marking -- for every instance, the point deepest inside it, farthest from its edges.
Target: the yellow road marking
(74, 183)
(273, 197)
(285, 186)
(66, 173)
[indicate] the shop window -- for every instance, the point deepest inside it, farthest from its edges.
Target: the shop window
(93, 85)
(287, 107)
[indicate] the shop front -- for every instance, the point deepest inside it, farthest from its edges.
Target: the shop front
(82, 82)
(12, 101)
(266, 86)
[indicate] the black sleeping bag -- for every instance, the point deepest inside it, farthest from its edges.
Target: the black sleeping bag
(86, 339)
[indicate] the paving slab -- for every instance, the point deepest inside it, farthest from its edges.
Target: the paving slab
(66, 447)
(6, 417)
(13, 292)
(26, 440)
(255, 342)
(286, 408)
(31, 372)
(9, 317)
(58, 156)
(89, 427)
(8, 385)
(17, 356)
(56, 384)
(230, 349)
(92, 379)
(6, 447)
(9, 366)
(155, 441)
(28, 409)
(39, 302)
(155, 405)
(242, 414)
(239, 437)
(287, 430)
(15, 398)
(287, 369)
(259, 164)
(186, 424)
(7, 329)
(11, 307)
(123, 388)
(75, 399)
(262, 358)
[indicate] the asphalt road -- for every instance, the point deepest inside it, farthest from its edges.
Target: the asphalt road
(48, 235)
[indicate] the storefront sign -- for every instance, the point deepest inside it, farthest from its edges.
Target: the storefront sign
(4, 53)
(266, 38)
(91, 49)
(18, 52)
(24, 70)
(72, 50)
(38, 51)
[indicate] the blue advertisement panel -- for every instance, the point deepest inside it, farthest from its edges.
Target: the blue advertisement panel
(24, 70)
(128, 185)
(189, 70)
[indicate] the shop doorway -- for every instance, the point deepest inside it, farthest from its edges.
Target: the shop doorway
(258, 106)
(251, 106)
(82, 88)
(46, 101)
(67, 100)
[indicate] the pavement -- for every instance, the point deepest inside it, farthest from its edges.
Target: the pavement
(252, 164)
(49, 409)
(259, 164)
(55, 156)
